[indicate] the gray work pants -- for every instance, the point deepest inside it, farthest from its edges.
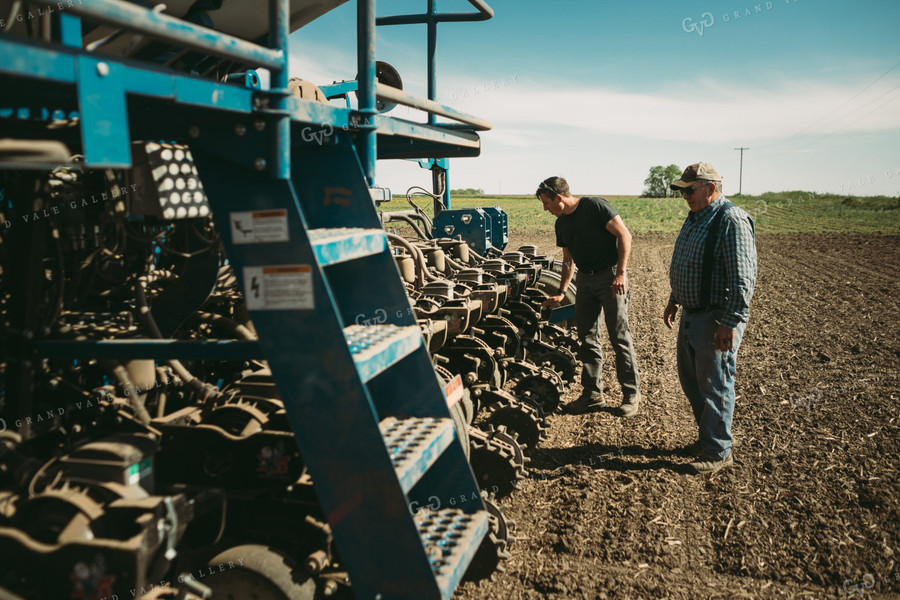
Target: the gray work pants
(595, 296)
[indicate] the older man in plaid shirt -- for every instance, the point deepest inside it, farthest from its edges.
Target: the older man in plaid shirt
(712, 277)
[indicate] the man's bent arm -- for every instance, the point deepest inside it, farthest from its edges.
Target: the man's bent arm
(616, 226)
(740, 271)
(568, 269)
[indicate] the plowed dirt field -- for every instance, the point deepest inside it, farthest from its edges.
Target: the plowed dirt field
(810, 508)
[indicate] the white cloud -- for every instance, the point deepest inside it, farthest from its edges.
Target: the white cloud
(604, 139)
(705, 113)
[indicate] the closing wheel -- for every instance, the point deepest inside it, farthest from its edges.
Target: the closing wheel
(258, 572)
(519, 417)
(559, 358)
(494, 463)
(544, 389)
(494, 547)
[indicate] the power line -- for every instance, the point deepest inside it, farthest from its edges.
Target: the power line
(845, 125)
(813, 124)
(876, 109)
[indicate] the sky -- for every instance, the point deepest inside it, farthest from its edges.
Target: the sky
(599, 91)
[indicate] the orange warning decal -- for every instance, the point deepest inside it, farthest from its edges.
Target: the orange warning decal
(453, 391)
(287, 269)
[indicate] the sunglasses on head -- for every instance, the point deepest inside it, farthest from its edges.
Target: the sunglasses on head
(544, 187)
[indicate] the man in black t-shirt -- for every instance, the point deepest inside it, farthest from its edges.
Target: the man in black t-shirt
(594, 237)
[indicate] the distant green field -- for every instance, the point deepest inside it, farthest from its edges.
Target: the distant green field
(774, 212)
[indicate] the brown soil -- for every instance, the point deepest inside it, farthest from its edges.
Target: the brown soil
(810, 508)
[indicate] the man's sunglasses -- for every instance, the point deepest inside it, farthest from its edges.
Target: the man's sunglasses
(690, 190)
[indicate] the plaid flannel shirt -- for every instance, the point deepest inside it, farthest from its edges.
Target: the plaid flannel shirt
(734, 269)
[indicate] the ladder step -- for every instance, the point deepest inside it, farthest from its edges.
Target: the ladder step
(451, 538)
(377, 347)
(345, 243)
(414, 444)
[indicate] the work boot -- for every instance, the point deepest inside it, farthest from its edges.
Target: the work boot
(586, 403)
(707, 465)
(630, 406)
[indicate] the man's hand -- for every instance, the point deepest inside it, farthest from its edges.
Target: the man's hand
(552, 301)
(619, 283)
(669, 315)
(724, 338)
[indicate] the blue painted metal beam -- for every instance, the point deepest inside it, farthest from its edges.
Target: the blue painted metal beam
(26, 60)
(280, 140)
(177, 31)
(70, 30)
(431, 43)
(341, 88)
(432, 133)
(366, 141)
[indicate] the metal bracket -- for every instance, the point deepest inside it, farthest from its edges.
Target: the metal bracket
(168, 528)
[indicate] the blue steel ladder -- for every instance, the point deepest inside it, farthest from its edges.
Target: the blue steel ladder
(364, 402)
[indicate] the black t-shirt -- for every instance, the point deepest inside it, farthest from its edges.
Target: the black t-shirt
(584, 233)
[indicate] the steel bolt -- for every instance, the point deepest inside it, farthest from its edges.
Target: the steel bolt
(240, 129)
(259, 124)
(102, 69)
(194, 131)
(259, 164)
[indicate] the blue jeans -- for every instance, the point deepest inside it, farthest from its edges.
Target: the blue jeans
(595, 296)
(707, 378)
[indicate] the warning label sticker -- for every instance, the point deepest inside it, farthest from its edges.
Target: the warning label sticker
(284, 287)
(453, 391)
(259, 226)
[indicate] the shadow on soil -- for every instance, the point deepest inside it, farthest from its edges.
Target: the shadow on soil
(611, 458)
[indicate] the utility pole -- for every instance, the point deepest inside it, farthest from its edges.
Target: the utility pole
(741, 176)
